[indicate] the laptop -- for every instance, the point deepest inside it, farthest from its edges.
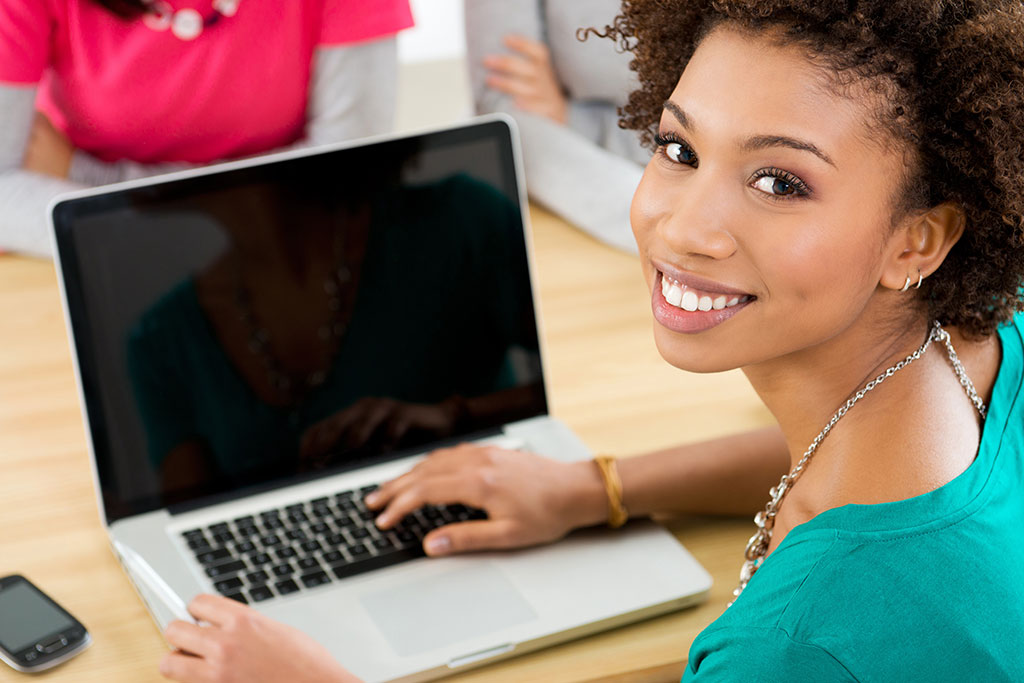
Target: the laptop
(261, 343)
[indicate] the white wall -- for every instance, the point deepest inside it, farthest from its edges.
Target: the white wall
(433, 86)
(438, 32)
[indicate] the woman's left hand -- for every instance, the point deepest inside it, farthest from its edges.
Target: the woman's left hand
(529, 77)
(238, 644)
(48, 151)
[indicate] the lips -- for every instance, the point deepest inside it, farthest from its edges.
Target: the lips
(687, 303)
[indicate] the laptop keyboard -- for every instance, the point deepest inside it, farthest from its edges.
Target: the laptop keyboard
(282, 551)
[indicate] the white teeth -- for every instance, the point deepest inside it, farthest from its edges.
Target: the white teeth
(674, 295)
(688, 300)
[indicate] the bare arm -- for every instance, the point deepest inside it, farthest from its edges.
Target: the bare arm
(726, 476)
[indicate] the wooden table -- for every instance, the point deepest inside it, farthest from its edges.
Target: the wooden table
(607, 382)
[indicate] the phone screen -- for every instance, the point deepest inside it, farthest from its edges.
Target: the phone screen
(26, 617)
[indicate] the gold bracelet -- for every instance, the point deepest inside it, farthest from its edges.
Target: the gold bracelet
(617, 513)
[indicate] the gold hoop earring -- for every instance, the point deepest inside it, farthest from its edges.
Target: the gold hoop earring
(906, 285)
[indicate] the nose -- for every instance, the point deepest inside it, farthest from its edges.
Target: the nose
(695, 217)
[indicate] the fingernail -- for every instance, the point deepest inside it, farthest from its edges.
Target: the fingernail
(382, 520)
(372, 498)
(439, 545)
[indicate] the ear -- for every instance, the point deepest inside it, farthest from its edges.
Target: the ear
(920, 244)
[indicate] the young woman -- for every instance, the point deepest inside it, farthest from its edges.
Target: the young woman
(836, 206)
(97, 91)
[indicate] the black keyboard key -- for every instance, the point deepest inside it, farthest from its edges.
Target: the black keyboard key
(335, 540)
(214, 556)
(407, 537)
(247, 531)
(319, 529)
(238, 597)
(367, 490)
(293, 508)
(271, 524)
(296, 535)
(319, 501)
(247, 520)
(316, 579)
(199, 543)
(193, 532)
(298, 517)
(282, 570)
(344, 496)
(260, 593)
(382, 543)
(342, 571)
(359, 532)
(219, 527)
(223, 537)
(334, 557)
(225, 569)
(285, 553)
(308, 563)
(321, 511)
(257, 577)
(244, 547)
(311, 546)
(270, 514)
(286, 587)
(271, 540)
(358, 550)
(228, 585)
(260, 559)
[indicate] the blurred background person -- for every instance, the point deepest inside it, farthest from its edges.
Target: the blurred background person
(525, 60)
(98, 91)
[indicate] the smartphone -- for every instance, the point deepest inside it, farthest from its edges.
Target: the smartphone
(35, 632)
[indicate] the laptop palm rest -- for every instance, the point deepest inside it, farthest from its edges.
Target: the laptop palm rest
(442, 609)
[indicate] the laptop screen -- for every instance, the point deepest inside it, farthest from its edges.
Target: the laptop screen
(246, 328)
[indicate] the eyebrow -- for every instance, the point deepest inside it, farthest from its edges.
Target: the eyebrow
(757, 141)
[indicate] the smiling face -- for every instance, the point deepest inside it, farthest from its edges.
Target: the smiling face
(764, 216)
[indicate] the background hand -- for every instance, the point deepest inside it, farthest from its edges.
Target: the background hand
(48, 151)
(529, 499)
(241, 645)
(379, 424)
(529, 77)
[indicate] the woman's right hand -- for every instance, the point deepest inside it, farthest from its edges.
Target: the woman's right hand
(529, 499)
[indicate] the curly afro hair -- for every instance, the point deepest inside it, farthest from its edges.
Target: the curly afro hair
(952, 76)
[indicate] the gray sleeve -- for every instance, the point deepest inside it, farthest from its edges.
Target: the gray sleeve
(585, 172)
(24, 195)
(352, 95)
(354, 91)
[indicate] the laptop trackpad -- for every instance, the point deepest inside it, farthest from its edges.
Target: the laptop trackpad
(443, 609)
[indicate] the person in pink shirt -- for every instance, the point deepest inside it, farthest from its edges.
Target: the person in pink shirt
(97, 91)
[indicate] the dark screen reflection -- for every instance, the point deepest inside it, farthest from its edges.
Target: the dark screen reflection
(351, 314)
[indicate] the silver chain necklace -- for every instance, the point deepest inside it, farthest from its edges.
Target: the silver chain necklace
(757, 547)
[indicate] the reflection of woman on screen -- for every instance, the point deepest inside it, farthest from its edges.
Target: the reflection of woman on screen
(330, 329)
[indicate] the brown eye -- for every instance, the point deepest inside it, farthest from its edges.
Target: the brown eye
(680, 154)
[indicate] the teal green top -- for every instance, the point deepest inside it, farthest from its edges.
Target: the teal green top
(925, 589)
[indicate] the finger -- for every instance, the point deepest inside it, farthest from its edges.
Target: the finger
(511, 85)
(191, 638)
(469, 536)
(533, 49)
(178, 666)
(215, 609)
(441, 490)
(361, 432)
(510, 65)
(443, 460)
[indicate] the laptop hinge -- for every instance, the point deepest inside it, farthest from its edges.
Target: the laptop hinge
(480, 656)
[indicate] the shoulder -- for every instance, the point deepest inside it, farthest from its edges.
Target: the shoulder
(760, 653)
